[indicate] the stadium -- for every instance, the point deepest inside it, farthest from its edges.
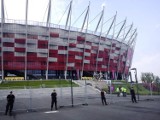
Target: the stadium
(34, 50)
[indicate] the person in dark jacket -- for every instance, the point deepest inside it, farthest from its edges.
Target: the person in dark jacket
(133, 96)
(54, 99)
(103, 98)
(10, 102)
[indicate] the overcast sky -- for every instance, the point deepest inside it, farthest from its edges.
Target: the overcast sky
(145, 15)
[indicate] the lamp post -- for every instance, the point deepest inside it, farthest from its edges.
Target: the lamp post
(136, 81)
(72, 87)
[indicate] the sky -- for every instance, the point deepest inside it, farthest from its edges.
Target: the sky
(144, 14)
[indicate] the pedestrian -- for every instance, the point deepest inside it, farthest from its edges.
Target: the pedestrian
(10, 102)
(118, 91)
(133, 96)
(122, 91)
(125, 92)
(103, 98)
(54, 99)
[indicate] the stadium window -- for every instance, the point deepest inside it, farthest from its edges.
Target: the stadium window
(8, 35)
(32, 36)
(65, 39)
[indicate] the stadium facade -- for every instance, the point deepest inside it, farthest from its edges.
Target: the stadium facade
(35, 49)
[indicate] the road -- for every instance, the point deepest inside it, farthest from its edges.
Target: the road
(147, 110)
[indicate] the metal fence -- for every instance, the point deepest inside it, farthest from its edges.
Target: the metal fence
(30, 99)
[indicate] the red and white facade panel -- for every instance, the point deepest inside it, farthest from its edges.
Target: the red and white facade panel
(36, 46)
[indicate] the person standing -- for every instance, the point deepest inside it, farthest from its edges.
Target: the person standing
(122, 89)
(10, 102)
(54, 99)
(118, 91)
(125, 92)
(103, 98)
(133, 96)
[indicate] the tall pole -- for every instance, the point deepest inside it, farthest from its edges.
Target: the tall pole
(111, 25)
(150, 87)
(113, 34)
(119, 56)
(2, 12)
(108, 31)
(49, 30)
(87, 14)
(72, 89)
(2, 23)
(101, 20)
(68, 19)
(25, 74)
(137, 84)
(86, 18)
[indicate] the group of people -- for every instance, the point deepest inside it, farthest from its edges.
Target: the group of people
(11, 99)
(121, 90)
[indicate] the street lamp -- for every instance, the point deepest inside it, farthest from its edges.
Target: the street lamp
(136, 81)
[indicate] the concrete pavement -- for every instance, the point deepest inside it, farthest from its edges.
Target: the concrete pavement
(146, 109)
(32, 104)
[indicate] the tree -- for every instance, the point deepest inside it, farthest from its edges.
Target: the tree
(151, 81)
(147, 77)
(157, 80)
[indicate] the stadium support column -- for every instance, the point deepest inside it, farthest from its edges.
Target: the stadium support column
(25, 73)
(130, 42)
(2, 23)
(100, 20)
(107, 73)
(121, 29)
(65, 74)
(118, 62)
(49, 30)
(110, 51)
(68, 19)
(133, 43)
(121, 45)
(86, 18)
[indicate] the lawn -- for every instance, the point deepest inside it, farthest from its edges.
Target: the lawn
(141, 89)
(36, 84)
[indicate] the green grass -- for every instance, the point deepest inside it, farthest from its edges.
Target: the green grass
(66, 83)
(141, 89)
(36, 84)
